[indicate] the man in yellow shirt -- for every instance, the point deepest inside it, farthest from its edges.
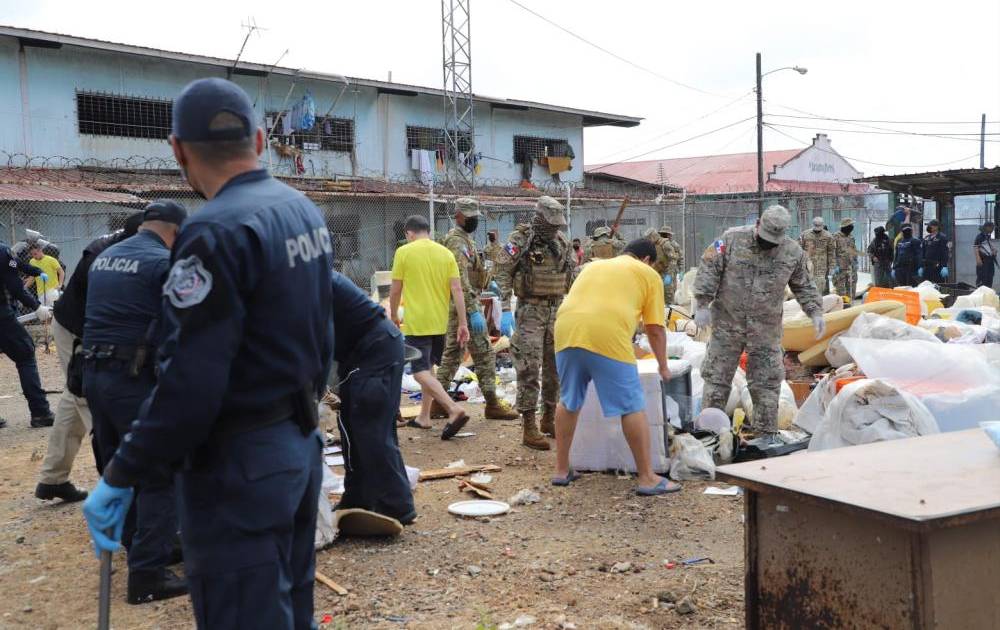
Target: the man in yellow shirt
(52, 272)
(423, 275)
(593, 341)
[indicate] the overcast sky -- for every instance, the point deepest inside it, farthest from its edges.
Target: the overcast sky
(874, 60)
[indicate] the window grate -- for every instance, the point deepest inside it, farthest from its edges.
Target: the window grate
(532, 148)
(432, 139)
(327, 134)
(123, 116)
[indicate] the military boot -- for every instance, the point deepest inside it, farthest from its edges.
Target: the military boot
(438, 411)
(548, 424)
(497, 409)
(532, 438)
(153, 585)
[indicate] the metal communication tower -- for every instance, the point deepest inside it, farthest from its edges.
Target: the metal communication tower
(459, 126)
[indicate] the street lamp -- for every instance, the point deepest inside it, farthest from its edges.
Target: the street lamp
(760, 130)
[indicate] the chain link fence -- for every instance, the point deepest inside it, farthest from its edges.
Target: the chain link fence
(72, 206)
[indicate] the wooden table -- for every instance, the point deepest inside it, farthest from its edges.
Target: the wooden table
(901, 534)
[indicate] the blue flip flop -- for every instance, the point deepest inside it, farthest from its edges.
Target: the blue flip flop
(664, 487)
(568, 479)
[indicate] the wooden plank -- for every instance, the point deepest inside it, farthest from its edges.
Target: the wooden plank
(930, 481)
(475, 489)
(448, 473)
(409, 412)
(333, 586)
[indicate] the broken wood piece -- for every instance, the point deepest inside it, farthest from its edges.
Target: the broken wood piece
(409, 412)
(479, 492)
(333, 586)
(476, 484)
(446, 473)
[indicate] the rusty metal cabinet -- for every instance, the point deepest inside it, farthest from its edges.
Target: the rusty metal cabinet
(901, 534)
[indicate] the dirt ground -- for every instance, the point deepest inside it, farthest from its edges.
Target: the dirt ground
(554, 561)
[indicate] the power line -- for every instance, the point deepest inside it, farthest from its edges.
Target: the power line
(667, 146)
(890, 133)
(616, 55)
(855, 159)
(888, 122)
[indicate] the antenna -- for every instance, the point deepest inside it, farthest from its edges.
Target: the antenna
(456, 48)
(251, 27)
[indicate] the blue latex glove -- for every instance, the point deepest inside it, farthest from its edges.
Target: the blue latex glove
(477, 323)
(893, 274)
(44, 276)
(920, 272)
(494, 288)
(105, 509)
(836, 270)
(507, 324)
(667, 280)
(944, 273)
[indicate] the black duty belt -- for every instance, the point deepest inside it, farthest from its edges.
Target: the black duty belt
(109, 352)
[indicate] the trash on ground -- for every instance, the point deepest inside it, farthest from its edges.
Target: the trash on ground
(689, 459)
(330, 584)
(476, 508)
(481, 478)
(446, 473)
(334, 460)
(359, 522)
(731, 491)
(524, 496)
(690, 562)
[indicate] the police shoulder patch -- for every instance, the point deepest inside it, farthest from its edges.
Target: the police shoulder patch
(188, 283)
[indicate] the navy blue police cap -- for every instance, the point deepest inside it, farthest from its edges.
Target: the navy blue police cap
(204, 99)
(165, 210)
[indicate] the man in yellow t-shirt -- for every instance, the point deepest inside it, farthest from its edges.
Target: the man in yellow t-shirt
(52, 272)
(424, 273)
(593, 342)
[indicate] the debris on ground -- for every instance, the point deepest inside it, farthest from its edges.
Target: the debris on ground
(525, 496)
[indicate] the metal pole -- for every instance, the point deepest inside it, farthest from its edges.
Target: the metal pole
(104, 599)
(430, 206)
(982, 143)
(760, 144)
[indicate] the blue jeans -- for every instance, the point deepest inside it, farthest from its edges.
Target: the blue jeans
(247, 508)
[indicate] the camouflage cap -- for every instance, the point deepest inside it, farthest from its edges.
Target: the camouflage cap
(602, 231)
(551, 210)
(773, 224)
(846, 223)
(467, 206)
(818, 222)
(666, 229)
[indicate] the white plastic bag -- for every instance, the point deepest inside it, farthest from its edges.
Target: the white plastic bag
(871, 410)
(787, 409)
(874, 326)
(922, 365)
(983, 296)
(739, 384)
(811, 413)
(683, 296)
(689, 459)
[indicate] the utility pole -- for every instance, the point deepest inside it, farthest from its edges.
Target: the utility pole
(982, 143)
(760, 144)
(459, 126)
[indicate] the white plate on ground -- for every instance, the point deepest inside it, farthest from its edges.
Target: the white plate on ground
(479, 508)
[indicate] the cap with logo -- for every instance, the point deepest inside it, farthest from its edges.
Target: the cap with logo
(165, 210)
(204, 99)
(467, 206)
(773, 224)
(551, 210)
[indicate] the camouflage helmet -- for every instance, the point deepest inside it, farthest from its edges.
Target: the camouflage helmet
(550, 210)
(468, 206)
(666, 230)
(602, 231)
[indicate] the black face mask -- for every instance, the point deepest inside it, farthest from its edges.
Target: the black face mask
(847, 230)
(492, 237)
(470, 224)
(765, 244)
(576, 246)
(907, 233)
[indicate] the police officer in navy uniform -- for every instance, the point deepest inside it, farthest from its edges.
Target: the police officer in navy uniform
(121, 332)
(369, 355)
(15, 341)
(936, 253)
(247, 350)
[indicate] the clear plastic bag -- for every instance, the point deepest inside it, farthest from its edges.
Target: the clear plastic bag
(690, 459)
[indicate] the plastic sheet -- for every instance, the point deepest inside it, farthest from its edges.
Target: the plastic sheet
(681, 346)
(874, 326)
(683, 294)
(814, 407)
(871, 410)
(983, 296)
(690, 459)
(922, 365)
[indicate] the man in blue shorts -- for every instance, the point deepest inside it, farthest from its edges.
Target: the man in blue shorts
(593, 340)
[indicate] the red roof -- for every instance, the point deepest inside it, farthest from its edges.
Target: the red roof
(710, 174)
(65, 193)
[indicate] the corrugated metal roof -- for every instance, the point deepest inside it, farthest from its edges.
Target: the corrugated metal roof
(590, 118)
(710, 174)
(63, 194)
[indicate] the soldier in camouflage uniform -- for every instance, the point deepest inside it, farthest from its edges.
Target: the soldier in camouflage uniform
(491, 251)
(676, 266)
(845, 273)
(538, 265)
(474, 276)
(743, 276)
(603, 244)
(818, 245)
(666, 259)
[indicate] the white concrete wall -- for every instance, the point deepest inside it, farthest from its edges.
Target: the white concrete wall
(818, 163)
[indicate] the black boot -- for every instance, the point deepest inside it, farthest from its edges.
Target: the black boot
(153, 585)
(65, 491)
(45, 420)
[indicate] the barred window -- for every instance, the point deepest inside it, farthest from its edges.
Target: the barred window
(432, 139)
(123, 116)
(532, 148)
(327, 134)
